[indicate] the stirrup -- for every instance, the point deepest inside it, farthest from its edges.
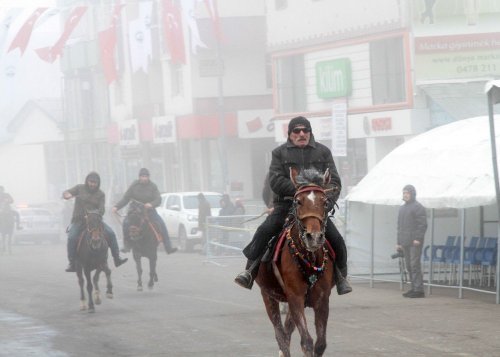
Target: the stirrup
(71, 268)
(119, 261)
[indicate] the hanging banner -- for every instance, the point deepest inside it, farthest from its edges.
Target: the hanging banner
(339, 128)
(164, 130)
(129, 132)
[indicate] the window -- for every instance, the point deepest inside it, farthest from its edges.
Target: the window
(290, 82)
(176, 80)
(387, 71)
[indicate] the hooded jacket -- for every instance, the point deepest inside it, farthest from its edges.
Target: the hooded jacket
(87, 199)
(412, 220)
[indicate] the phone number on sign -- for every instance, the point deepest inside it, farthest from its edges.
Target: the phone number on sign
(474, 68)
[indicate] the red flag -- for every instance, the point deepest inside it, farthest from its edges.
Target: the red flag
(23, 36)
(172, 30)
(213, 12)
(50, 54)
(107, 45)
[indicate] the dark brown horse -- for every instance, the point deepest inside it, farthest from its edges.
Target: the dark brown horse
(92, 254)
(143, 234)
(303, 273)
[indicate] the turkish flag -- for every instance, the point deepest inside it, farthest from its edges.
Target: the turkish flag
(50, 54)
(213, 12)
(172, 29)
(23, 36)
(107, 45)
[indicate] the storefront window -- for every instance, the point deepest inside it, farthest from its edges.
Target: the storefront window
(290, 82)
(387, 71)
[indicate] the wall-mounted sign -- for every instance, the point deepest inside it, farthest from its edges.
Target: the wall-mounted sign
(164, 130)
(255, 124)
(339, 128)
(128, 132)
(333, 78)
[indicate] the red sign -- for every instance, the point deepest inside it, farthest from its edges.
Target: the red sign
(380, 124)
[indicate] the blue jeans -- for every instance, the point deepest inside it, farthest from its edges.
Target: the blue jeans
(76, 229)
(157, 221)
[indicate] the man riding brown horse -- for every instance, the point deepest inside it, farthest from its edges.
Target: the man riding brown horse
(300, 151)
(88, 197)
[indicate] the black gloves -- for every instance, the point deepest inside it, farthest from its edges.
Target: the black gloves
(329, 204)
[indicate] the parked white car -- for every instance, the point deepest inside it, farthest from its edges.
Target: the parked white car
(38, 225)
(179, 210)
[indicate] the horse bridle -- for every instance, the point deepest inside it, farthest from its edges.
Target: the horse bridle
(299, 218)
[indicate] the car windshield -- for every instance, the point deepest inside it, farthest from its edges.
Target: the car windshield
(191, 202)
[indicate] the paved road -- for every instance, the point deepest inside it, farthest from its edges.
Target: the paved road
(196, 310)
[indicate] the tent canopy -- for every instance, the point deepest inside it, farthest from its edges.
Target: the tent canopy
(450, 167)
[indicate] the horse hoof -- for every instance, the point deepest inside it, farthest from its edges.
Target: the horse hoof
(91, 310)
(98, 301)
(156, 278)
(139, 288)
(109, 295)
(83, 306)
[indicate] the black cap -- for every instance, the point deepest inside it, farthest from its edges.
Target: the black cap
(143, 172)
(298, 121)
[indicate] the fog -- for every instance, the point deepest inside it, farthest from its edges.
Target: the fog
(202, 95)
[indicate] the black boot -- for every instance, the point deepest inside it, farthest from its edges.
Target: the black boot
(171, 250)
(71, 266)
(245, 279)
(343, 286)
(119, 261)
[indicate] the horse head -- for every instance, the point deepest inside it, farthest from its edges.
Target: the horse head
(309, 206)
(136, 216)
(93, 220)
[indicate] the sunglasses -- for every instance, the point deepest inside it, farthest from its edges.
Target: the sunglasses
(298, 130)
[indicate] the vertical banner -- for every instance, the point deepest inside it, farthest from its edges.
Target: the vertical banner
(164, 130)
(339, 128)
(128, 132)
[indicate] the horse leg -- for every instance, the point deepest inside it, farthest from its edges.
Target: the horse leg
(273, 311)
(109, 283)
(88, 277)
(289, 326)
(152, 272)
(296, 306)
(138, 266)
(321, 312)
(83, 301)
(97, 293)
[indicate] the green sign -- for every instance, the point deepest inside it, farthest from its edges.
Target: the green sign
(333, 78)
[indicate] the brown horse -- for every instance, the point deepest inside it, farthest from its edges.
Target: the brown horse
(92, 254)
(303, 273)
(142, 234)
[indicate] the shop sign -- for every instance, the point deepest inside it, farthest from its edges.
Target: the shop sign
(128, 132)
(255, 124)
(333, 78)
(164, 130)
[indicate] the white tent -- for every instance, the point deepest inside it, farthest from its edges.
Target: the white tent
(450, 166)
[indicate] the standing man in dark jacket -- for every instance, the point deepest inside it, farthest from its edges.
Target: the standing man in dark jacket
(412, 224)
(88, 197)
(300, 151)
(145, 191)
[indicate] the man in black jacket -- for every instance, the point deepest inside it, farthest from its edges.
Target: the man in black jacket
(88, 197)
(145, 191)
(412, 224)
(300, 151)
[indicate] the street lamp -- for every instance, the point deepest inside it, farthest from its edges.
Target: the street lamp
(493, 92)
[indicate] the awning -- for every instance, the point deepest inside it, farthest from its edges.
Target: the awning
(459, 100)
